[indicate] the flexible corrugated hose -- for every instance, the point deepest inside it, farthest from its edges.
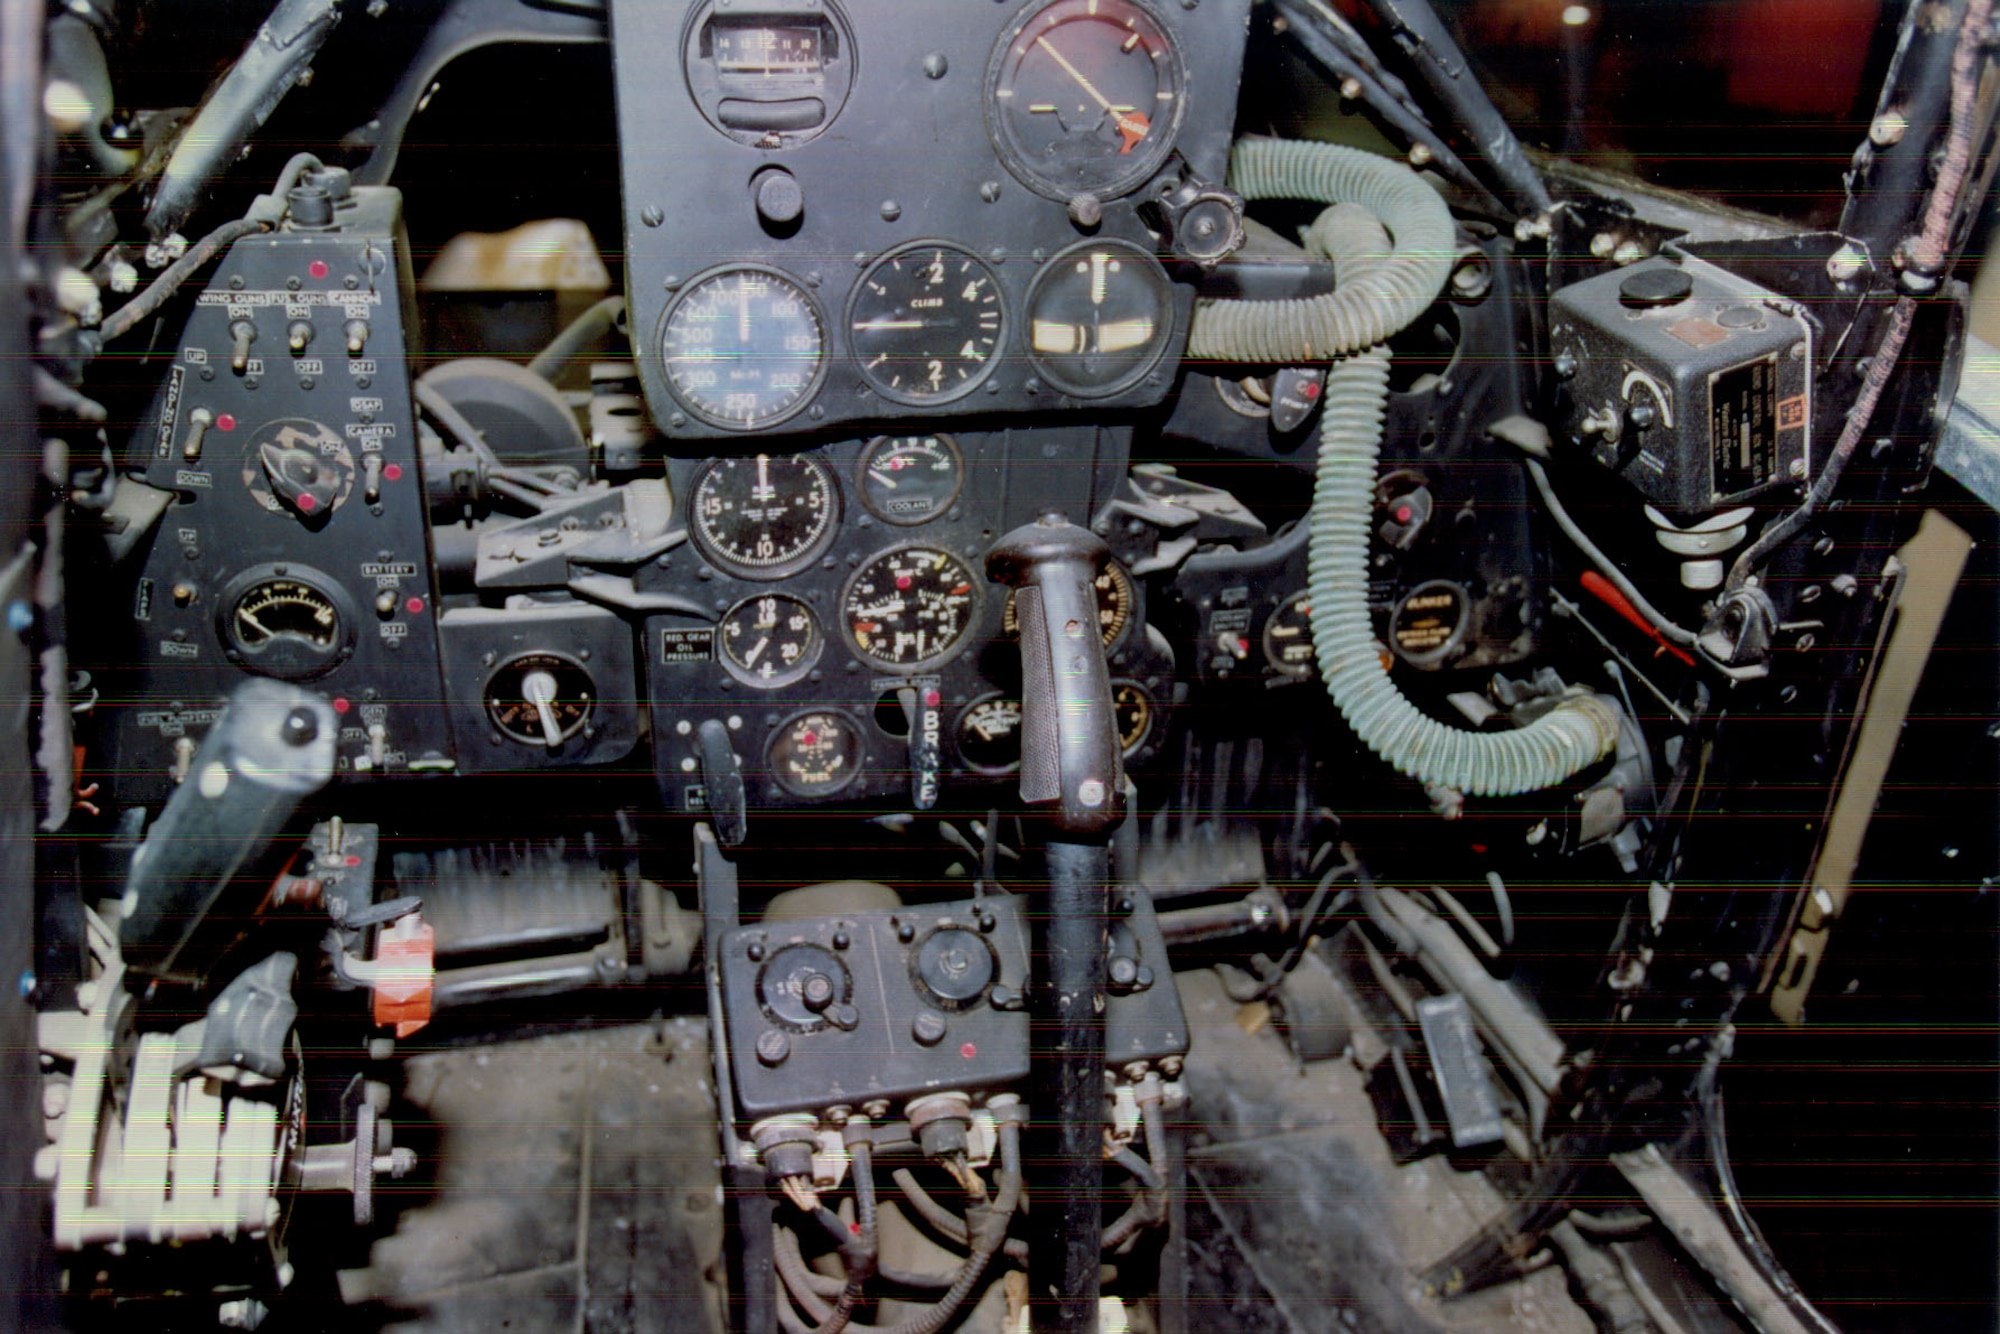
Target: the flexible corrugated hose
(1374, 297)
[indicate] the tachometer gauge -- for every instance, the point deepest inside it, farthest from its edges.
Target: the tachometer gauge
(294, 625)
(989, 734)
(1084, 96)
(1099, 316)
(1288, 643)
(743, 348)
(770, 640)
(911, 607)
(815, 754)
(910, 479)
(1115, 600)
(924, 324)
(765, 516)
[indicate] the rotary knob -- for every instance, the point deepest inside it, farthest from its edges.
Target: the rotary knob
(954, 967)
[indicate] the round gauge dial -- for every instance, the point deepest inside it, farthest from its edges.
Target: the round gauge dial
(540, 699)
(765, 516)
(910, 608)
(911, 479)
(1288, 642)
(768, 80)
(815, 754)
(1099, 315)
(924, 324)
(989, 734)
(293, 625)
(1132, 711)
(743, 348)
(1115, 601)
(770, 640)
(1084, 96)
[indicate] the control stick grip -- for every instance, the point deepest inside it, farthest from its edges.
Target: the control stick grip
(1070, 756)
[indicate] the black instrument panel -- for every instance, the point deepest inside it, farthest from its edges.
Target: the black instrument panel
(857, 649)
(881, 211)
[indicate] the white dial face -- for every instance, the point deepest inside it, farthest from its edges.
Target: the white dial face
(743, 348)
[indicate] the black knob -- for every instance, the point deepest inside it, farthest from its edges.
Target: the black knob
(816, 991)
(1662, 286)
(779, 199)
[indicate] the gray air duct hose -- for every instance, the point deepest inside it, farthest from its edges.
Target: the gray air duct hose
(1376, 297)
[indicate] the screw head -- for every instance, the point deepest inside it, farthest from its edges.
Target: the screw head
(301, 728)
(1090, 792)
(928, 1028)
(773, 1047)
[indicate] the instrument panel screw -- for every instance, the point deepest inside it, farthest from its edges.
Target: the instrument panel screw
(1090, 792)
(935, 65)
(990, 191)
(652, 215)
(891, 210)
(841, 940)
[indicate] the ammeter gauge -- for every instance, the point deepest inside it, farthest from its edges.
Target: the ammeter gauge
(295, 626)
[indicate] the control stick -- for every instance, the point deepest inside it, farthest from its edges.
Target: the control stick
(1071, 765)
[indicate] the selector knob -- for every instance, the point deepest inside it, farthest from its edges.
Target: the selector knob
(955, 966)
(816, 990)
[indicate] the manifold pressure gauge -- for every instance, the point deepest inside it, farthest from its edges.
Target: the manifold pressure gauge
(924, 324)
(765, 516)
(540, 699)
(1115, 600)
(743, 348)
(1084, 97)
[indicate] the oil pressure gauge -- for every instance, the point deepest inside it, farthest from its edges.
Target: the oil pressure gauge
(770, 640)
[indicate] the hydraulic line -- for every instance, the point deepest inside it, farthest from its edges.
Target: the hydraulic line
(1375, 297)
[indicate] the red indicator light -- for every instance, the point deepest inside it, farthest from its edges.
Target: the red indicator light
(317, 268)
(932, 699)
(307, 503)
(392, 472)
(340, 704)
(353, 859)
(968, 1050)
(225, 422)
(415, 606)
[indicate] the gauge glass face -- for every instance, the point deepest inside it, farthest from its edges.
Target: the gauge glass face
(911, 479)
(770, 640)
(765, 516)
(1099, 316)
(285, 626)
(540, 699)
(1132, 710)
(989, 734)
(1288, 644)
(1115, 600)
(743, 348)
(925, 323)
(911, 607)
(1084, 96)
(768, 79)
(815, 754)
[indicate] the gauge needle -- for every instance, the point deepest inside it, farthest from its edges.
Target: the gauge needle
(250, 619)
(868, 326)
(1132, 126)
(750, 658)
(884, 478)
(743, 313)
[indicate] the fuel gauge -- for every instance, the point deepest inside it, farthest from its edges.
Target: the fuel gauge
(815, 754)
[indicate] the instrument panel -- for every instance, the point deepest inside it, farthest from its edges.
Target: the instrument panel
(858, 649)
(875, 212)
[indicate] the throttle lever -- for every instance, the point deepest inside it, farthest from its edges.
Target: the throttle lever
(1070, 754)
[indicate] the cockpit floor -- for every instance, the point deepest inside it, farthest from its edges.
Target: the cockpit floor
(570, 1183)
